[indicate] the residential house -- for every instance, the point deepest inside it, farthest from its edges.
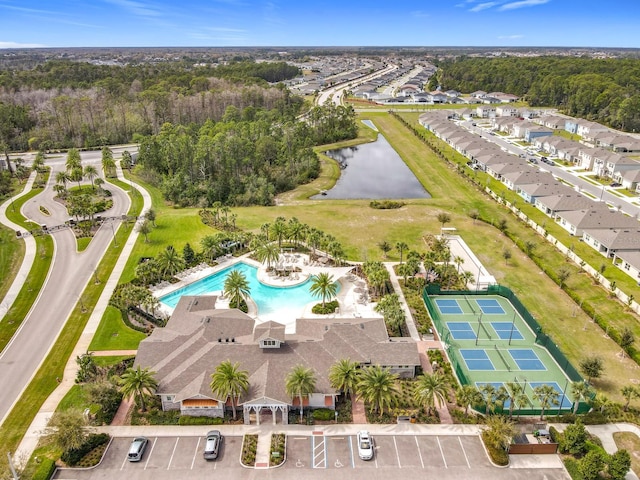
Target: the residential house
(532, 192)
(613, 241)
(552, 121)
(437, 97)
(629, 179)
(198, 337)
(478, 94)
(483, 111)
(506, 111)
(490, 100)
(588, 130)
(595, 217)
(503, 124)
(503, 97)
(606, 164)
(520, 128)
(534, 132)
(497, 170)
(629, 263)
(552, 205)
(525, 176)
(571, 125)
(487, 159)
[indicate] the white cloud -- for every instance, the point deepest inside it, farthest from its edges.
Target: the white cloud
(483, 6)
(419, 14)
(20, 45)
(522, 4)
(136, 8)
(510, 37)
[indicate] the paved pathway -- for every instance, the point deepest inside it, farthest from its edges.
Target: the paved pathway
(357, 411)
(30, 440)
(29, 254)
(423, 347)
(411, 326)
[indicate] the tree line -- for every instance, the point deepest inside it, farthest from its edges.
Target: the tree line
(602, 90)
(64, 104)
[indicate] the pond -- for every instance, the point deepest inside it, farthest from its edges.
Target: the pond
(373, 171)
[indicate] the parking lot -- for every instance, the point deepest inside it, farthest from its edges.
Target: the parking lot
(309, 455)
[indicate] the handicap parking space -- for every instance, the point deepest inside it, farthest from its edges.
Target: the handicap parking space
(340, 451)
(298, 452)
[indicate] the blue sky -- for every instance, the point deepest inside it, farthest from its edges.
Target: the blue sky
(120, 23)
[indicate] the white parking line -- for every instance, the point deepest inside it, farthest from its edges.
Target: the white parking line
(464, 451)
(397, 453)
(195, 453)
(319, 451)
(149, 455)
(419, 452)
(353, 463)
(442, 453)
(173, 453)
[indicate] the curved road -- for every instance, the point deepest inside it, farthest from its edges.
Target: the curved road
(70, 272)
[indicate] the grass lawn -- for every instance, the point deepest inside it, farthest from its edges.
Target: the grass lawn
(630, 442)
(11, 255)
(113, 334)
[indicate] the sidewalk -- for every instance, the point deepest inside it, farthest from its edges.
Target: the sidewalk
(411, 326)
(32, 436)
(29, 251)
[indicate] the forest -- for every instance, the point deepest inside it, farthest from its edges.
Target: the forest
(64, 104)
(602, 90)
(244, 159)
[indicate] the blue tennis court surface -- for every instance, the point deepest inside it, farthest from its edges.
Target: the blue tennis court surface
(448, 306)
(461, 330)
(566, 403)
(526, 359)
(476, 359)
(490, 306)
(503, 329)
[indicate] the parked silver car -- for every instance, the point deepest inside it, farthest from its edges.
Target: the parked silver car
(137, 448)
(365, 445)
(212, 445)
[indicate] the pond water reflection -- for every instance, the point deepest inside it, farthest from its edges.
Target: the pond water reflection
(373, 171)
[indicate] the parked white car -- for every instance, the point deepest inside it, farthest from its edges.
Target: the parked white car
(365, 445)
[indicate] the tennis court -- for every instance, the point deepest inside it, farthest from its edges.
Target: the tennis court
(490, 306)
(528, 389)
(495, 345)
(507, 330)
(461, 330)
(448, 306)
(477, 359)
(526, 359)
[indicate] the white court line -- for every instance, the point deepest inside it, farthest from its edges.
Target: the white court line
(173, 453)
(195, 453)
(442, 453)
(464, 451)
(149, 455)
(419, 452)
(353, 463)
(397, 453)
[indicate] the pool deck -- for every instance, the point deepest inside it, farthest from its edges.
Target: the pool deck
(352, 297)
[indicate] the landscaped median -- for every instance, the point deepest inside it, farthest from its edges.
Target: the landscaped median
(44, 381)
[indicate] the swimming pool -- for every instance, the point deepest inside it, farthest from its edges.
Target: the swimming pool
(282, 304)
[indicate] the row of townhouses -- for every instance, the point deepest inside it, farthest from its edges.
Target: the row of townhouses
(612, 233)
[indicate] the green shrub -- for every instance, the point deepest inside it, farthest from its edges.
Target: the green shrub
(323, 414)
(74, 456)
(386, 204)
(329, 307)
(498, 456)
(45, 469)
(571, 464)
(188, 420)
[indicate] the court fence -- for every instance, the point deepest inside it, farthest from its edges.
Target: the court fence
(541, 338)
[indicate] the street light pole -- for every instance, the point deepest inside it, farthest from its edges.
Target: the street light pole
(115, 240)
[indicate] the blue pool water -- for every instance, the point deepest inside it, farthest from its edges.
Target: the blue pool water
(274, 303)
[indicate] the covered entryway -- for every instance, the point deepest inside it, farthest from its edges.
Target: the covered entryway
(261, 412)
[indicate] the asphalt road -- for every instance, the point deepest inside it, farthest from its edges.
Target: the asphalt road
(69, 274)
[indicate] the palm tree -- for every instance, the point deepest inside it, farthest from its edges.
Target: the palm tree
(170, 261)
(432, 390)
(458, 261)
(385, 247)
(76, 175)
(493, 397)
(629, 392)
(344, 376)
(73, 160)
(378, 387)
(98, 183)
(580, 391)
(296, 230)
(500, 431)
(236, 287)
(516, 396)
(401, 247)
(108, 164)
(91, 172)
(139, 383)
(268, 252)
(279, 230)
(390, 308)
(443, 218)
(229, 382)
(547, 396)
(62, 178)
(323, 286)
(300, 382)
(468, 395)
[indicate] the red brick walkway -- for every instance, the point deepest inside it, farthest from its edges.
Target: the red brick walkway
(357, 411)
(443, 412)
(122, 415)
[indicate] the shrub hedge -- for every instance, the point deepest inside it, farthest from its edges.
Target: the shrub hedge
(73, 456)
(188, 420)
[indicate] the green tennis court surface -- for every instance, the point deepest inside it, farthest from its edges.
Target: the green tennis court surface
(488, 341)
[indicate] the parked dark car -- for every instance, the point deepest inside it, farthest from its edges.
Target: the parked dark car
(615, 184)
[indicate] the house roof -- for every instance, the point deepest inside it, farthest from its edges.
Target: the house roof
(618, 238)
(565, 202)
(632, 258)
(598, 216)
(543, 189)
(528, 176)
(186, 351)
